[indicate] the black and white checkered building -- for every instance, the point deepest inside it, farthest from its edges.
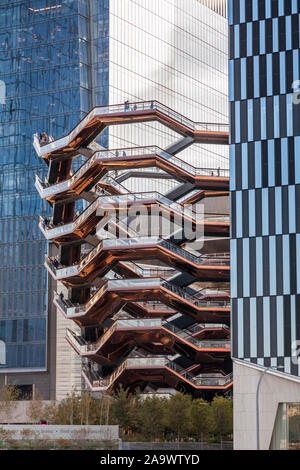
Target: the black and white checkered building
(265, 181)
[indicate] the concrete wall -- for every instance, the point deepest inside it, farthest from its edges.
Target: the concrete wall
(274, 389)
(68, 362)
(64, 364)
(55, 431)
(19, 413)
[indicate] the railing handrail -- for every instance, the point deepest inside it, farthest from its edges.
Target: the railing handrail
(165, 362)
(115, 242)
(153, 150)
(125, 107)
(147, 281)
(148, 322)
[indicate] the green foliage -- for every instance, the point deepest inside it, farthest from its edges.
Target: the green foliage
(9, 393)
(153, 417)
(146, 419)
(123, 410)
(222, 413)
(179, 415)
(202, 423)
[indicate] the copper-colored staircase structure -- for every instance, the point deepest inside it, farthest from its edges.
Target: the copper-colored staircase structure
(149, 311)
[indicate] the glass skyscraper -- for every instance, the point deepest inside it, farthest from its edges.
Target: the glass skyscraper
(46, 70)
(57, 61)
(265, 196)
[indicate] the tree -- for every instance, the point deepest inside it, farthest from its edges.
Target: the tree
(97, 411)
(152, 416)
(9, 393)
(135, 411)
(179, 414)
(51, 412)
(121, 410)
(35, 409)
(222, 414)
(201, 418)
(85, 405)
(69, 409)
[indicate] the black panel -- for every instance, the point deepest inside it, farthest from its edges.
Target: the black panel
(234, 327)
(291, 150)
(251, 166)
(231, 42)
(243, 43)
(256, 120)
(295, 31)
(273, 324)
(293, 265)
(263, 75)
(244, 121)
(274, 8)
(279, 260)
(246, 313)
(282, 32)
(271, 193)
(282, 108)
(252, 255)
(238, 166)
(245, 203)
(236, 13)
(258, 212)
(250, 77)
(255, 37)
(248, 7)
(237, 80)
(275, 74)
(270, 117)
(233, 214)
(277, 162)
(260, 327)
(285, 210)
(287, 324)
(266, 266)
(240, 268)
(269, 36)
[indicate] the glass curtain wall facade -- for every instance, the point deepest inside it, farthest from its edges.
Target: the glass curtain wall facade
(45, 75)
(265, 181)
(176, 53)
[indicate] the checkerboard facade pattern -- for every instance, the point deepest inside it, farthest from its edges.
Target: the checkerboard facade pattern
(265, 181)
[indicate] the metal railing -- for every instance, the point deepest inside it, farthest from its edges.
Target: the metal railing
(97, 380)
(99, 111)
(201, 260)
(143, 323)
(106, 156)
(148, 283)
(122, 201)
(192, 298)
(202, 326)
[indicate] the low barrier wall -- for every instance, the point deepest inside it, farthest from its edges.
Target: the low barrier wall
(68, 432)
